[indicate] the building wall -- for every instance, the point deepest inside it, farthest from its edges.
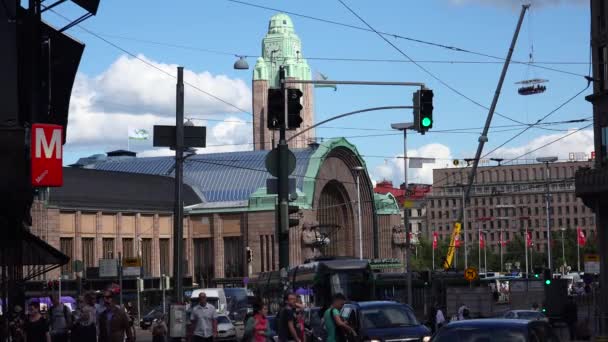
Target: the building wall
(511, 199)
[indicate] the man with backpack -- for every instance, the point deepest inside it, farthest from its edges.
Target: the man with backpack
(60, 320)
(333, 322)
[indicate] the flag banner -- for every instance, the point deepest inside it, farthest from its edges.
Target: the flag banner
(435, 238)
(138, 134)
(582, 239)
(482, 241)
(529, 239)
(502, 241)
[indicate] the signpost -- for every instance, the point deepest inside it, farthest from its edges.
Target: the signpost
(131, 267)
(592, 263)
(47, 148)
(470, 274)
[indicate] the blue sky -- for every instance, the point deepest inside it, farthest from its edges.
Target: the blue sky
(557, 30)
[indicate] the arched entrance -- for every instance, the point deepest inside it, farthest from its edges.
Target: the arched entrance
(336, 217)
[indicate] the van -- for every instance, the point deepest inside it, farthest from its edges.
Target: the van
(215, 297)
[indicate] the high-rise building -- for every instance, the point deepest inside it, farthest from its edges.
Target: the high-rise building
(506, 200)
(280, 47)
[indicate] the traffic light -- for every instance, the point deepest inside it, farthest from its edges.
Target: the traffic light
(426, 110)
(249, 255)
(276, 109)
(294, 106)
(293, 209)
(537, 272)
(547, 276)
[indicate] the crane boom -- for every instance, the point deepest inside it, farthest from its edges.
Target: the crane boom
(447, 263)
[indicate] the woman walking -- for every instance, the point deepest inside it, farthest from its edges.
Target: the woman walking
(36, 328)
(257, 328)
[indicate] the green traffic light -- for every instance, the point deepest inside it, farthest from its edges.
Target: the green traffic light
(536, 276)
(548, 282)
(544, 310)
(426, 122)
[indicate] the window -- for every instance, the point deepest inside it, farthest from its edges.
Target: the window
(127, 248)
(438, 213)
(432, 203)
(146, 255)
(203, 261)
(67, 248)
(432, 215)
(537, 235)
(535, 210)
(88, 252)
(233, 257)
(576, 221)
(560, 222)
(164, 256)
(559, 210)
(108, 248)
(567, 210)
(583, 221)
(575, 209)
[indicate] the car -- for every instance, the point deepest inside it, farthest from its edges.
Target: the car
(149, 318)
(526, 314)
(225, 329)
(496, 330)
(384, 321)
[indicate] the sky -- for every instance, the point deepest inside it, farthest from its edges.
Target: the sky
(133, 48)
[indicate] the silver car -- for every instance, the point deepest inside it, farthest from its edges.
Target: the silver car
(225, 329)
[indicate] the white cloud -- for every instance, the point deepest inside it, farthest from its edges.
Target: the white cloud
(392, 169)
(142, 88)
(132, 95)
(518, 3)
(581, 141)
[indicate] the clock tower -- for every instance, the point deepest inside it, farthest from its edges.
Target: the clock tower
(280, 47)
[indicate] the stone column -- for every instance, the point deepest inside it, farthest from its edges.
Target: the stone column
(218, 245)
(118, 243)
(77, 236)
(155, 247)
(98, 238)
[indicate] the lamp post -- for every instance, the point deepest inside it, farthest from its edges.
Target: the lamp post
(546, 161)
(357, 170)
(404, 127)
(562, 229)
(485, 255)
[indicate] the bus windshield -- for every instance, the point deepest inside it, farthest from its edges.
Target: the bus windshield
(354, 285)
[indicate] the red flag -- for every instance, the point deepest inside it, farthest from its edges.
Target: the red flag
(529, 238)
(435, 238)
(582, 239)
(501, 241)
(457, 241)
(482, 241)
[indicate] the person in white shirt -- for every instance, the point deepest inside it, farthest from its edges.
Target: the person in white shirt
(204, 318)
(439, 319)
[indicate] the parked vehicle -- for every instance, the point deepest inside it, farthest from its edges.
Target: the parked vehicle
(384, 321)
(496, 330)
(149, 318)
(215, 297)
(526, 314)
(225, 329)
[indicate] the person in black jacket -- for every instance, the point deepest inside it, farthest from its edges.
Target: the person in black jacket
(571, 317)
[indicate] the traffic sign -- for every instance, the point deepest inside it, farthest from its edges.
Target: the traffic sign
(108, 268)
(470, 274)
(272, 162)
(131, 262)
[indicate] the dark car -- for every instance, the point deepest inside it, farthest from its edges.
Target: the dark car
(384, 321)
(148, 319)
(496, 330)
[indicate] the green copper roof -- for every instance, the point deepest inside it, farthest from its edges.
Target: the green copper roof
(281, 46)
(386, 204)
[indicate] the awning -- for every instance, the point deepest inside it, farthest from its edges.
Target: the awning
(32, 252)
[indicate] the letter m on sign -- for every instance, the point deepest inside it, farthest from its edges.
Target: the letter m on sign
(46, 155)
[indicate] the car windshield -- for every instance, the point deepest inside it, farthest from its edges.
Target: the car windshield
(222, 319)
(387, 317)
(476, 334)
(529, 315)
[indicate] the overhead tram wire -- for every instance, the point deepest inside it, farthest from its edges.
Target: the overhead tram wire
(398, 36)
(428, 72)
(150, 64)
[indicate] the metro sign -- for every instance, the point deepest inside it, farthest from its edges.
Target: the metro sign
(46, 155)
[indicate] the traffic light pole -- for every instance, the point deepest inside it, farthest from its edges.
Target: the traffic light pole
(282, 225)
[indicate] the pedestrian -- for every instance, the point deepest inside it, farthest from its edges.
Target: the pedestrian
(287, 319)
(16, 322)
(257, 328)
(36, 328)
(431, 319)
(571, 317)
(60, 320)
(461, 310)
(333, 322)
(189, 325)
(159, 330)
(113, 322)
(85, 320)
(535, 307)
(204, 319)
(439, 318)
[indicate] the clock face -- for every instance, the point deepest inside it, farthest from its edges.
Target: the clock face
(272, 47)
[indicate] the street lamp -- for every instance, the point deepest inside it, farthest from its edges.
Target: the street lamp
(357, 170)
(241, 63)
(547, 160)
(404, 126)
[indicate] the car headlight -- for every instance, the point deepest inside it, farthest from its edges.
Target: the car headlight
(426, 339)
(372, 340)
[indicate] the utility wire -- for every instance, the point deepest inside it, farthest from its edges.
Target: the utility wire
(398, 36)
(151, 64)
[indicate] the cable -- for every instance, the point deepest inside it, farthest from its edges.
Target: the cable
(152, 65)
(538, 121)
(394, 35)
